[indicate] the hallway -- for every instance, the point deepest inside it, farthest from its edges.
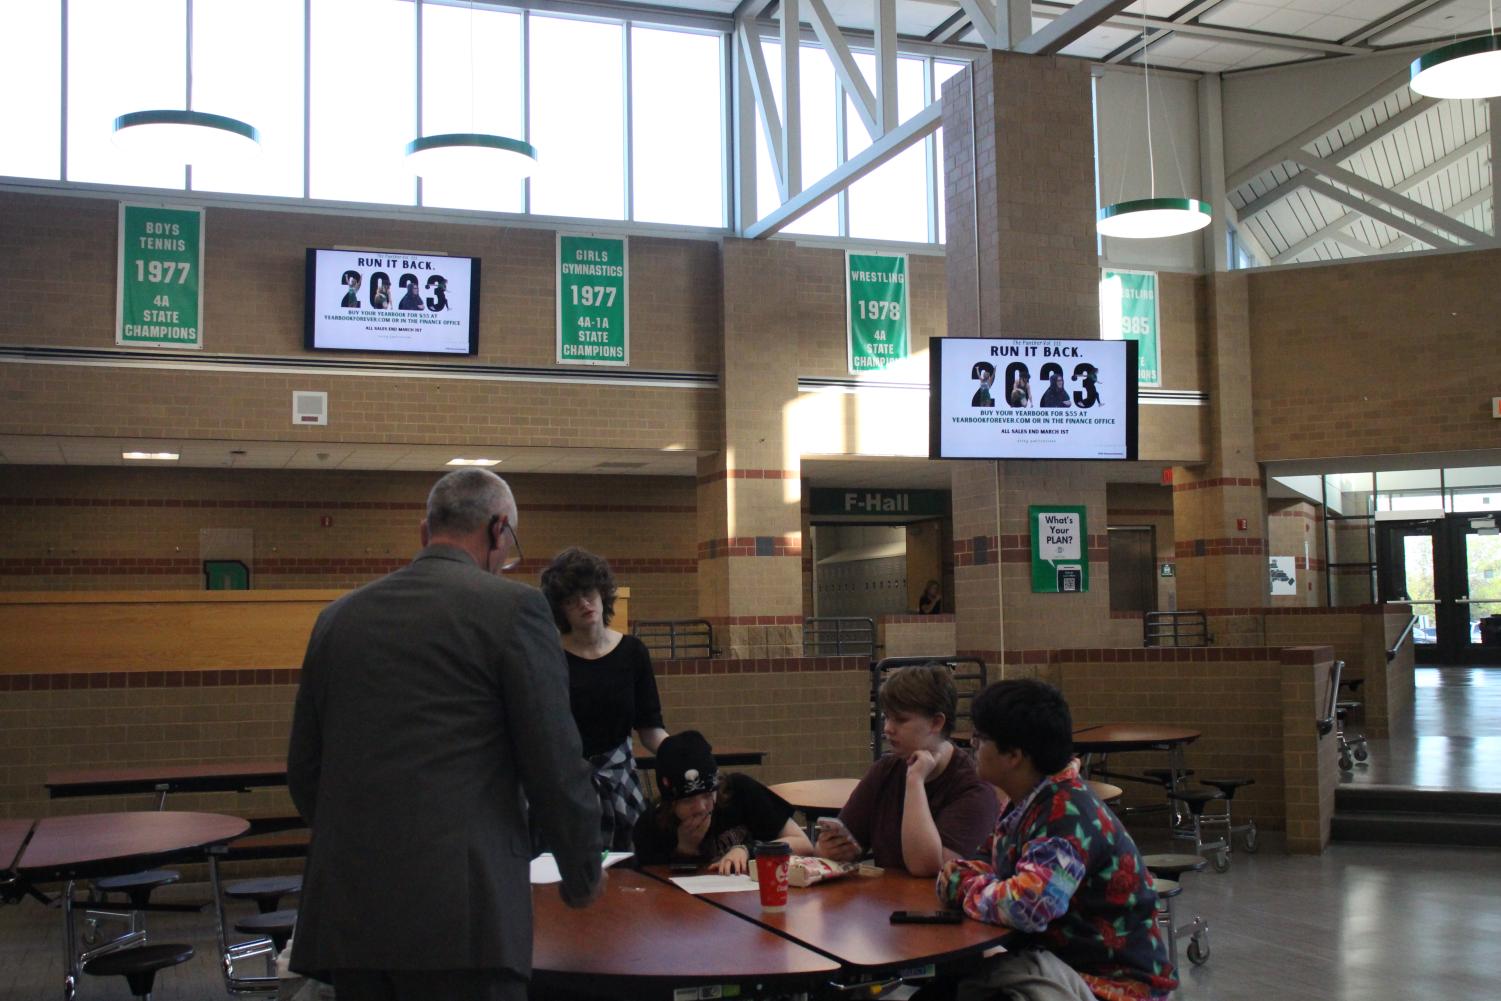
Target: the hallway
(1455, 740)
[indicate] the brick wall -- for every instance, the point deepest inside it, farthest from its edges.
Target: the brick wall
(1296, 528)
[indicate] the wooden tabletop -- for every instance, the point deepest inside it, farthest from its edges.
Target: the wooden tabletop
(819, 795)
(1105, 792)
(649, 932)
(849, 920)
(1109, 737)
(228, 776)
(97, 844)
(722, 755)
(12, 837)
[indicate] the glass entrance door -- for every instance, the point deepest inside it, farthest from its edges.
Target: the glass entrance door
(1450, 572)
(1406, 559)
(1478, 580)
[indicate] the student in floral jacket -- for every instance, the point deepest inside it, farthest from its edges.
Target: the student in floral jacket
(1063, 872)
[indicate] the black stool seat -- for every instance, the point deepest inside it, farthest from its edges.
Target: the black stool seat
(1166, 888)
(1165, 775)
(137, 886)
(1196, 799)
(266, 892)
(139, 966)
(278, 925)
(1228, 786)
(1173, 865)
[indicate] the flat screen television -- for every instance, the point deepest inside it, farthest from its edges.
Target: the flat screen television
(376, 300)
(1031, 399)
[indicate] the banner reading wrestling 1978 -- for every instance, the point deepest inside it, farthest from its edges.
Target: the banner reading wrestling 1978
(593, 308)
(159, 292)
(877, 299)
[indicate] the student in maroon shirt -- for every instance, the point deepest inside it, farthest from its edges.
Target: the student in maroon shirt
(922, 804)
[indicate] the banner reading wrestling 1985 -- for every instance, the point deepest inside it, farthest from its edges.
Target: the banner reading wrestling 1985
(159, 291)
(877, 301)
(593, 308)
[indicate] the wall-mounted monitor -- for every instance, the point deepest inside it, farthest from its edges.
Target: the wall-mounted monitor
(376, 300)
(1031, 399)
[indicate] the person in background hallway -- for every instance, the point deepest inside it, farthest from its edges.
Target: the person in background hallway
(1062, 871)
(931, 602)
(433, 709)
(704, 818)
(922, 804)
(610, 683)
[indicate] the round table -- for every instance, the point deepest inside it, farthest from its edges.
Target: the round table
(817, 797)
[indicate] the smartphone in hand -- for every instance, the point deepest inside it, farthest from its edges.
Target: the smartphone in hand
(926, 917)
(833, 825)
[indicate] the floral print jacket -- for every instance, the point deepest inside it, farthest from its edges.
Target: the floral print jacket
(1065, 874)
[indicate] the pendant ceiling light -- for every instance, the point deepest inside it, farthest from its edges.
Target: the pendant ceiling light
(1467, 69)
(482, 157)
(1151, 217)
(184, 135)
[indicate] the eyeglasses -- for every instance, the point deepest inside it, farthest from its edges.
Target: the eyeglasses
(514, 560)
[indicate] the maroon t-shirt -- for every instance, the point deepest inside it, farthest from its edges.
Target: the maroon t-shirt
(964, 808)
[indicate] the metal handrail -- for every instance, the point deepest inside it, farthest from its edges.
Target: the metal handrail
(1326, 725)
(1391, 654)
(1177, 626)
(850, 636)
(686, 638)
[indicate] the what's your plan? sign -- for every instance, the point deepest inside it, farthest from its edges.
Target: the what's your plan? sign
(1060, 549)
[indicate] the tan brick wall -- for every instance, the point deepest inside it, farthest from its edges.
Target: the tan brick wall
(1311, 767)
(1296, 528)
(916, 635)
(1348, 360)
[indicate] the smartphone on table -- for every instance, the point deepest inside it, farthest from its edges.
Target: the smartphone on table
(926, 917)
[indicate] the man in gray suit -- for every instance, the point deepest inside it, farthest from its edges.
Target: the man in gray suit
(433, 709)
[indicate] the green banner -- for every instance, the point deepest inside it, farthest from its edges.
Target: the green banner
(1060, 549)
(1128, 311)
(159, 296)
(878, 316)
(593, 301)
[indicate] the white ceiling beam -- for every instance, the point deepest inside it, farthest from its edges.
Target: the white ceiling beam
(915, 129)
(1354, 243)
(1392, 21)
(1262, 39)
(887, 109)
(1375, 192)
(1068, 27)
(982, 16)
(1294, 144)
(792, 99)
(1346, 151)
(850, 77)
(1381, 215)
(766, 105)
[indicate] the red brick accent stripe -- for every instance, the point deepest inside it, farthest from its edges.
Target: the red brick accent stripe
(748, 474)
(902, 620)
(148, 679)
(988, 656)
(964, 551)
(745, 545)
(1143, 655)
(1309, 563)
(1223, 481)
(1294, 512)
(283, 566)
(1247, 545)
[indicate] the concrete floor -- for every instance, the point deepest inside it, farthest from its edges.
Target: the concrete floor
(1455, 739)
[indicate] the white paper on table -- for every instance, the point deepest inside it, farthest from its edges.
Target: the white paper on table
(545, 866)
(716, 884)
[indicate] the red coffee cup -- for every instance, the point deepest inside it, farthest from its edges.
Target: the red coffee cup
(772, 858)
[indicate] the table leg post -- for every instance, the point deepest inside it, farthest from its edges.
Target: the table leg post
(70, 950)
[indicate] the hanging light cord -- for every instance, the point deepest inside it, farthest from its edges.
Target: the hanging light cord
(1146, 72)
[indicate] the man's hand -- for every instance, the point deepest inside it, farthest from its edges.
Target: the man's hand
(836, 843)
(920, 765)
(736, 862)
(591, 897)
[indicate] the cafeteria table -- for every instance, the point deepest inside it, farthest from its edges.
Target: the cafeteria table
(816, 797)
(849, 920)
(1120, 738)
(645, 938)
(91, 845)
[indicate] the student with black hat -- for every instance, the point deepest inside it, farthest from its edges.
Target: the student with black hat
(707, 818)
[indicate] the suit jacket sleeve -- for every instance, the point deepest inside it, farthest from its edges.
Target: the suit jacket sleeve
(550, 755)
(305, 749)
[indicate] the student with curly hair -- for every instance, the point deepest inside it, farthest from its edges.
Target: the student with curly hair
(610, 683)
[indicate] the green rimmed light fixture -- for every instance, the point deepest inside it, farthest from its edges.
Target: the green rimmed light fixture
(473, 156)
(1467, 70)
(478, 155)
(1152, 217)
(183, 135)
(189, 136)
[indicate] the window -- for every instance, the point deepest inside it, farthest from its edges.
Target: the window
(34, 69)
(471, 82)
(578, 117)
(363, 103)
(677, 127)
(891, 203)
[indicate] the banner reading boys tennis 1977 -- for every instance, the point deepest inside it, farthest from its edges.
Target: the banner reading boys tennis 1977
(593, 308)
(159, 293)
(877, 300)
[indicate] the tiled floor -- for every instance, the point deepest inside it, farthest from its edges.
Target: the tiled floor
(1455, 740)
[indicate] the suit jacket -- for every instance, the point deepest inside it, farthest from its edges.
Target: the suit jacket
(433, 708)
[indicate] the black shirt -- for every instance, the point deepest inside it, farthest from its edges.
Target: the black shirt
(613, 695)
(745, 811)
